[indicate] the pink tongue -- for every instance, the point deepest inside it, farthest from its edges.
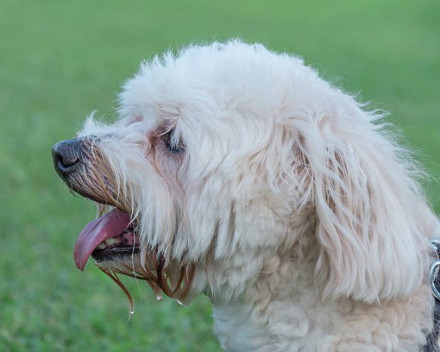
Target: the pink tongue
(109, 225)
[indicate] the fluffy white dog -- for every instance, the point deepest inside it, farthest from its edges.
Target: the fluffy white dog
(239, 173)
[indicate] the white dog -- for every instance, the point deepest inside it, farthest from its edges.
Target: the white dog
(239, 173)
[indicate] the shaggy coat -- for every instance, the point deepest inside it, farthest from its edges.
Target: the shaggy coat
(274, 193)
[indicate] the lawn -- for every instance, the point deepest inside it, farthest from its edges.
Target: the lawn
(61, 60)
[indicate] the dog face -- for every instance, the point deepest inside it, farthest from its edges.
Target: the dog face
(228, 155)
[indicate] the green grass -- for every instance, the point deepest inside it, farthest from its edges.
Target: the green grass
(60, 60)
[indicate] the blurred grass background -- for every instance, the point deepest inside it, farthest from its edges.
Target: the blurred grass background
(60, 60)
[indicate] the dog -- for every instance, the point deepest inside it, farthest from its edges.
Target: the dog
(239, 173)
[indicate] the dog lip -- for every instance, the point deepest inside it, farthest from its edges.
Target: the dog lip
(112, 224)
(101, 255)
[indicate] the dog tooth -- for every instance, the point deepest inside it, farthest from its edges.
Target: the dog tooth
(111, 241)
(101, 246)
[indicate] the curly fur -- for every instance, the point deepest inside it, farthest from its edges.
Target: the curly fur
(302, 215)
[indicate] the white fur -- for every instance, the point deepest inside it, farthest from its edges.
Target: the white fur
(304, 217)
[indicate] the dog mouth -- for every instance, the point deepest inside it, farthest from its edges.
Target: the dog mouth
(111, 236)
(113, 242)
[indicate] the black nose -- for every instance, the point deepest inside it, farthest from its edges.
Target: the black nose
(66, 156)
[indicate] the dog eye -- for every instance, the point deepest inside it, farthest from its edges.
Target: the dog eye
(173, 145)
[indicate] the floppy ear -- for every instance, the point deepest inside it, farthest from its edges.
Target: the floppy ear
(372, 220)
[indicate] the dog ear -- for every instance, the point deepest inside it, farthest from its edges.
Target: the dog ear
(371, 216)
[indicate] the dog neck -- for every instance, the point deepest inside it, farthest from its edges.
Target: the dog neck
(280, 307)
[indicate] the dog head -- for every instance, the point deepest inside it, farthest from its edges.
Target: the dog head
(229, 154)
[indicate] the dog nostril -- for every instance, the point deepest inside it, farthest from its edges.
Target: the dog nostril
(65, 163)
(66, 156)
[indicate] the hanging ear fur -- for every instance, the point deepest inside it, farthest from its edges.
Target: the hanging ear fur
(373, 222)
